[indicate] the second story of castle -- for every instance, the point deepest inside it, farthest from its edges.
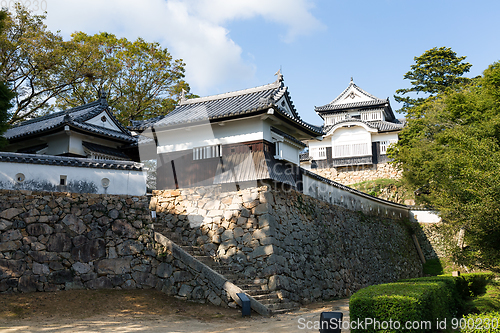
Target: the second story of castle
(358, 128)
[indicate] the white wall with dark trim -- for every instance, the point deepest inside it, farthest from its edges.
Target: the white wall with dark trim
(41, 177)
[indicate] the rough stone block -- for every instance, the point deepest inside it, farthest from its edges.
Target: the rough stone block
(100, 283)
(262, 251)
(74, 285)
(27, 284)
(164, 270)
(10, 213)
(130, 247)
(267, 220)
(91, 250)
(238, 232)
(227, 235)
(11, 235)
(74, 224)
(114, 214)
(11, 268)
(40, 269)
(59, 242)
(261, 209)
(185, 291)
(60, 277)
(113, 266)
(125, 229)
(182, 276)
(81, 268)
(10, 246)
(5, 225)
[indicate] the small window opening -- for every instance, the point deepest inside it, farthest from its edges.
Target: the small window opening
(63, 180)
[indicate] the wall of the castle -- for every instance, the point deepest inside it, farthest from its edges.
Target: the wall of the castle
(61, 241)
(304, 248)
(42, 177)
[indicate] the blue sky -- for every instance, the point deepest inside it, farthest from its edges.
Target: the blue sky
(236, 44)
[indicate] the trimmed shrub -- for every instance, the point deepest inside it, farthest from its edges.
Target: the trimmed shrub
(403, 302)
(457, 287)
(476, 282)
(481, 323)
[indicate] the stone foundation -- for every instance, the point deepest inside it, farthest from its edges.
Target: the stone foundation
(307, 250)
(431, 240)
(59, 241)
(358, 173)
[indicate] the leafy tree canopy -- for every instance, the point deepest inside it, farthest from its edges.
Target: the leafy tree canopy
(435, 71)
(6, 95)
(141, 79)
(33, 62)
(451, 155)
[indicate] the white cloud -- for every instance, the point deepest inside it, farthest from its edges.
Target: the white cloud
(191, 29)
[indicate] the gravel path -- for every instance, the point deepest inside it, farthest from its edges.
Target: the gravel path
(291, 322)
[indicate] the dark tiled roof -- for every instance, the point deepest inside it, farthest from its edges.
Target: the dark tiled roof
(69, 161)
(341, 107)
(237, 103)
(100, 149)
(380, 125)
(75, 117)
(104, 131)
(386, 126)
(288, 136)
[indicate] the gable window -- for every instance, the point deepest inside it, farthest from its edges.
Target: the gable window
(201, 153)
(371, 115)
(318, 153)
(351, 150)
(385, 144)
(333, 119)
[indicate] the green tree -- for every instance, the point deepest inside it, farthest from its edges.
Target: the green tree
(33, 62)
(452, 158)
(435, 71)
(141, 79)
(6, 95)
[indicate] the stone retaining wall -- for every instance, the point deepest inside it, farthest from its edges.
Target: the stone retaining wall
(307, 249)
(431, 240)
(358, 173)
(58, 241)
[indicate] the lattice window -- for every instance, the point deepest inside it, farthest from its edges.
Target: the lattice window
(318, 153)
(385, 144)
(201, 153)
(371, 115)
(350, 150)
(333, 119)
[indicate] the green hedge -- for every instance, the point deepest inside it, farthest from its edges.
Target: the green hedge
(476, 282)
(402, 302)
(457, 288)
(481, 323)
(416, 300)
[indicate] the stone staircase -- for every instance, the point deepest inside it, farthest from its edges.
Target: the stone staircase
(257, 288)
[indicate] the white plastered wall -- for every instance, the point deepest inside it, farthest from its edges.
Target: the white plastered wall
(88, 180)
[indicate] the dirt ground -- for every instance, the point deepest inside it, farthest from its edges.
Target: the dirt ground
(143, 311)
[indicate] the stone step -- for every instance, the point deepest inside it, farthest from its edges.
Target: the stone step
(268, 298)
(283, 307)
(251, 288)
(257, 292)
